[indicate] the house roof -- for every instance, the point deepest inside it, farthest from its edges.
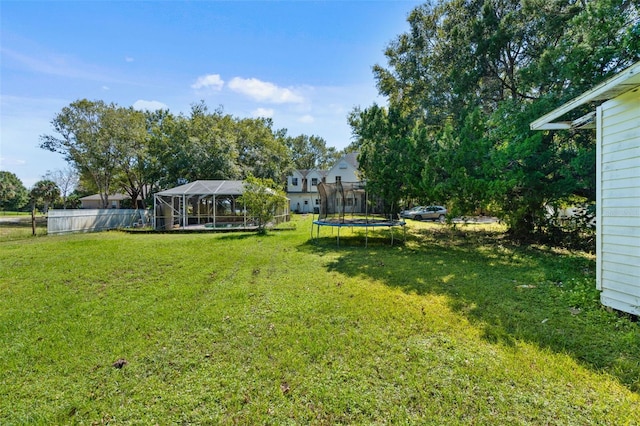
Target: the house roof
(318, 171)
(624, 81)
(299, 172)
(207, 187)
(351, 158)
(112, 197)
(308, 172)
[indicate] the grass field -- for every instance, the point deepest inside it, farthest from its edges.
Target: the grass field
(17, 225)
(451, 327)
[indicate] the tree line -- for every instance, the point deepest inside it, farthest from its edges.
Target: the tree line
(111, 149)
(463, 84)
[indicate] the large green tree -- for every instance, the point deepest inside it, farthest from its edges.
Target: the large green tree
(127, 130)
(311, 152)
(261, 150)
(87, 142)
(186, 148)
(461, 166)
(167, 162)
(389, 158)
(469, 76)
(13, 194)
(213, 145)
(463, 54)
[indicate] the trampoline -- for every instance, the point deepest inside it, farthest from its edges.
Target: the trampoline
(340, 200)
(360, 223)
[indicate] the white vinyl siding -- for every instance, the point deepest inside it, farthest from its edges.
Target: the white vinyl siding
(618, 202)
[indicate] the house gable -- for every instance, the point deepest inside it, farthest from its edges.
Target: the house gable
(345, 169)
(626, 80)
(304, 195)
(295, 180)
(314, 177)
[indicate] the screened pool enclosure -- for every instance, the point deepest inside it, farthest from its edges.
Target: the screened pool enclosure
(213, 204)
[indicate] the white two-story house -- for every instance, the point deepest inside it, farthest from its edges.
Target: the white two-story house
(302, 185)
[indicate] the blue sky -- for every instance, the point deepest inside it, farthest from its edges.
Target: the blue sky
(305, 64)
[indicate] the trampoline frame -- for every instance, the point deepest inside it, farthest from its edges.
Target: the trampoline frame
(359, 223)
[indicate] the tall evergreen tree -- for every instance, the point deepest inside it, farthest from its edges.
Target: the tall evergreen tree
(470, 75)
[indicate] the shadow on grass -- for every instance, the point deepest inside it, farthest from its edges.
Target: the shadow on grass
(244, 236)
(510, 292)
(227, 236)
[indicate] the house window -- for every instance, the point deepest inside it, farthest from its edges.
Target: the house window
(324, 179)
(314, 181)
(349, 201)
(317, 201)
(338, 179)
(294, 181)
(306, 202)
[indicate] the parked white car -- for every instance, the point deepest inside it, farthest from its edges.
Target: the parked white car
(406, 213)
(425, 213)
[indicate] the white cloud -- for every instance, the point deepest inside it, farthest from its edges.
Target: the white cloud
(10, 161)
(105, 88)
(264, 91)
(263, 112)
(56, 64)
(142, 105)
(307, 119)
(210, 81)
(128, 59)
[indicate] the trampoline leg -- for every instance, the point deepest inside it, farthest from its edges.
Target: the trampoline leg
(338, 236)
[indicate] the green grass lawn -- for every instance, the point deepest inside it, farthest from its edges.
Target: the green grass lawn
(451, 327)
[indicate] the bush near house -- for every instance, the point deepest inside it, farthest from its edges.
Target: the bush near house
(263, 200)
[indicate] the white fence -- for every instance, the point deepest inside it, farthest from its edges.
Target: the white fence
(91, 220)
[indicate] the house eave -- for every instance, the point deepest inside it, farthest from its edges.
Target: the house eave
(622, 82)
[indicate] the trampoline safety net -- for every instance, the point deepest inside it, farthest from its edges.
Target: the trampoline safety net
(340, 199)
